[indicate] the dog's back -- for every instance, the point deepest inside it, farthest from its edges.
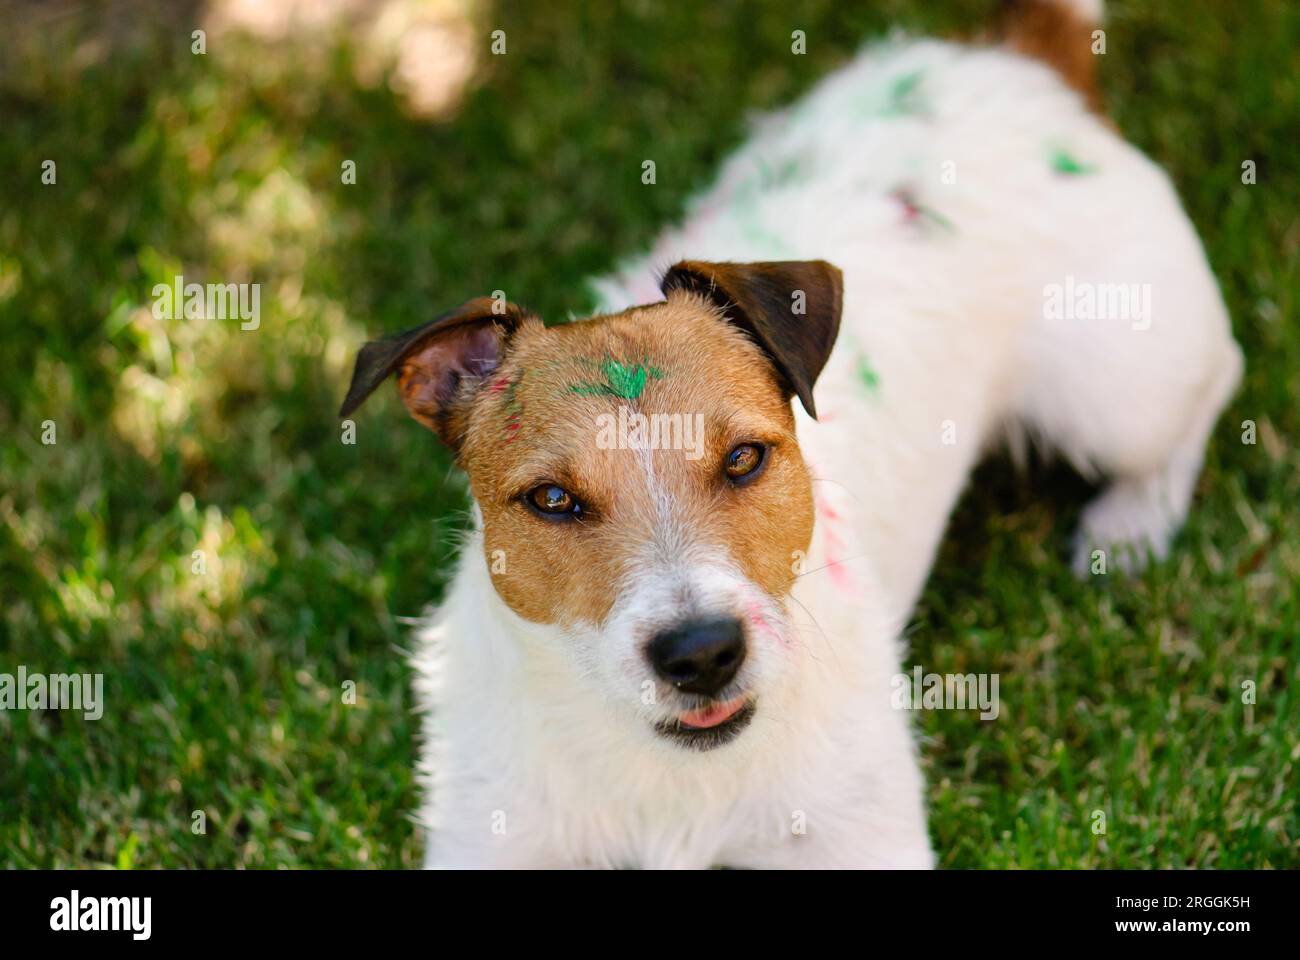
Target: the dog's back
(1014, 271)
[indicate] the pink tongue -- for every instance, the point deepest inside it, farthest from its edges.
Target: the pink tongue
(707, 717)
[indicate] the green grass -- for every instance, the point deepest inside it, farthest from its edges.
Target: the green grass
(224, 689)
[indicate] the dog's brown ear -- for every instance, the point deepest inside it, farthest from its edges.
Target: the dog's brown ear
(791, 308)
(438, 364)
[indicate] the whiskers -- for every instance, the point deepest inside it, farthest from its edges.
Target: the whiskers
(824, 636)
(827, 566)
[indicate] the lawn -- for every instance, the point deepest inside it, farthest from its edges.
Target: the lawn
(199, 533)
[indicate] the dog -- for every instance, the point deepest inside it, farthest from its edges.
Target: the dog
(672, 633)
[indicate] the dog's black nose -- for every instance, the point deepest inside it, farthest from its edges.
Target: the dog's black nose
(699, 656)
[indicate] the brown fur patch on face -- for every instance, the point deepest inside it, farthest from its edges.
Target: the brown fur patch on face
(536, 421)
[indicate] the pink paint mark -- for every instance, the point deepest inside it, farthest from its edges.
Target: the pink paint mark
(840, 576)
(754, 610)
(835, 568)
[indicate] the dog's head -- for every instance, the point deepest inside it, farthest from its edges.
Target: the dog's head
(638, 475)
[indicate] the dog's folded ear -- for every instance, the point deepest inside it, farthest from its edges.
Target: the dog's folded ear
(438, 364)
(791, 308)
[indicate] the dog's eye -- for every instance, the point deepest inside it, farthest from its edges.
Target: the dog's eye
(743, 462)
(556, 501)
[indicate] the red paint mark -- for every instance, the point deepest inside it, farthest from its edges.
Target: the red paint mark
(911, 209)
(836, 570)
(514, 407)
(915, 212)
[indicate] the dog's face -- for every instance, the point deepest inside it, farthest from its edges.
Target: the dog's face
(639, 478)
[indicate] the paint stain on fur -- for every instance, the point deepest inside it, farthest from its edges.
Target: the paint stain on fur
(904, 95)
(760, 623)
(835, 566)
(514, 407)
(625, 380)
(788, 171)
(1064, 162)
(916, 212)
(866, 375)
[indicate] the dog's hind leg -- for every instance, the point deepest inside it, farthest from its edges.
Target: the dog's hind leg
(1137, 515)
(1128, 371)
(1135, 405)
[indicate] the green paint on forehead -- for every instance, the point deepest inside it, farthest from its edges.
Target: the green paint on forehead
(625, 380)
(1064, 162)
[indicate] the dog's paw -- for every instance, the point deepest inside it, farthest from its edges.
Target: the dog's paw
(1125, 529)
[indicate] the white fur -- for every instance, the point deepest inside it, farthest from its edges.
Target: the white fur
(548, 745)
(1089, 11)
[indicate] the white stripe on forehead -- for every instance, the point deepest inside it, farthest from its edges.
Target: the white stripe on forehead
(669, 535)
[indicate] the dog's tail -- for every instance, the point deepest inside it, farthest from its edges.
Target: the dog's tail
(1061, 34)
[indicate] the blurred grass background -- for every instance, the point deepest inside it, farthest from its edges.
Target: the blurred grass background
(522, 172)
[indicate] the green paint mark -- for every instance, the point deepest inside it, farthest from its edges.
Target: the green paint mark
(916, 210)
(904, 95)
(1064, 162)
(868, 377)
(621, 380)
(785, 172)
(937, 218)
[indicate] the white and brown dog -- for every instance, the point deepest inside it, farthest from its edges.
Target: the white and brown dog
(671, 636)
